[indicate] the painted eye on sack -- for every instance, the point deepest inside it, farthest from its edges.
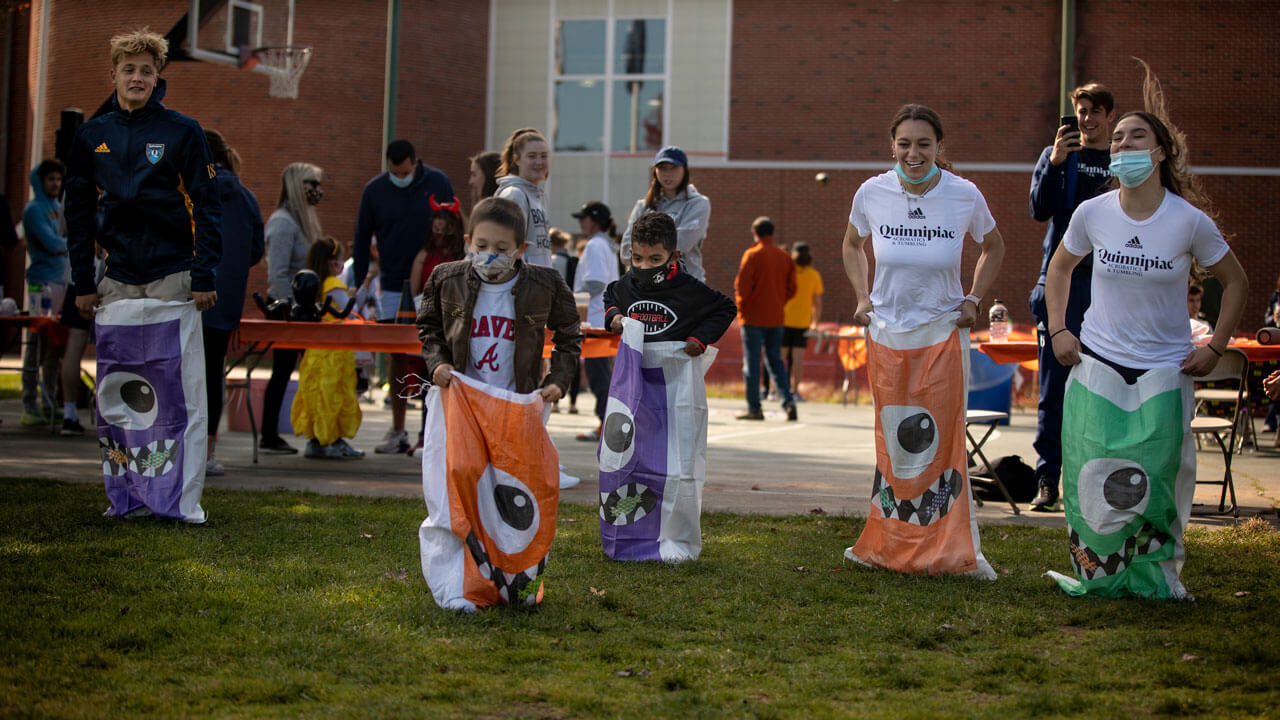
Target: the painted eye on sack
(910, 437)
(1113, 491)
(507, 509)
(127, 401)
(617, 438)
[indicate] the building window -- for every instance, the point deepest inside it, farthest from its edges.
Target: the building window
(610, 78)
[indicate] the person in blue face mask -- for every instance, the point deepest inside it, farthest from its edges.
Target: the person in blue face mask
(395, 207)
(1144, 236)
(1127, 451)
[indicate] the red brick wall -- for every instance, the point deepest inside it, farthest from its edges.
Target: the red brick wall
(824, 85)
(443, 90)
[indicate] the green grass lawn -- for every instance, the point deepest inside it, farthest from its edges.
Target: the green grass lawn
(300, 605)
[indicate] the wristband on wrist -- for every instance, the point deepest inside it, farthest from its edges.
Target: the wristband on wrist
(977, 301)
(1214, 349)
(1053, 335)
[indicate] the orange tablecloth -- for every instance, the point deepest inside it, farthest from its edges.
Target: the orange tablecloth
(1024, 350)
(375, 337)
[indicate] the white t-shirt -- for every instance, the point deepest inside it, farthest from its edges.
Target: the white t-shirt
(1138, 315)
(493, 334)
(599, 264)
(918, 242)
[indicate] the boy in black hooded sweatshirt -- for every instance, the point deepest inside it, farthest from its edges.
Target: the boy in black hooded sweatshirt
(672, 304)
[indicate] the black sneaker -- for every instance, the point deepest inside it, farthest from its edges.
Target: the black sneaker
(790, 407)
(1047, 500)
(71, 427)
(751, 415)
(277, 446)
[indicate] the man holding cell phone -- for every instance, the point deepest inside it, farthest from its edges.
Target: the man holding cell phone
(1073, 169)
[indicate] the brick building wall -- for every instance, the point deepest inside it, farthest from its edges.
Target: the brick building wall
(823, 85)
(336, 122)
(806, 87)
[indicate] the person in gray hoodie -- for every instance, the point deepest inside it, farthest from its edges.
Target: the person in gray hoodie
(671, 193)
(526, 163)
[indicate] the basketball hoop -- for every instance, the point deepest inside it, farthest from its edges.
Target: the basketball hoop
(284, 65)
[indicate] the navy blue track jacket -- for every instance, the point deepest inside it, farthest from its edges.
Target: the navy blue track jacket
(401, 220)
(151, 174)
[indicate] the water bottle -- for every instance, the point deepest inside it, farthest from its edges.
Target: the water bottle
(46, 301)
(34, 293)
(998, 316)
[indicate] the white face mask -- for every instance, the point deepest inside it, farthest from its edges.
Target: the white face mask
(491, 267)
(400, 182)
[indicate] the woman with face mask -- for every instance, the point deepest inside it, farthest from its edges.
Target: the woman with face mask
(1134, 359)
(289, 233)
(916, 218)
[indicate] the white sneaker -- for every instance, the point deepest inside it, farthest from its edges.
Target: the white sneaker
(395, 441)
(214, 468)
(568, 481)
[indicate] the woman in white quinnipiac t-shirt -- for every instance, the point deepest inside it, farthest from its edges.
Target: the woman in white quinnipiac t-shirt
(1143, 237)
(916, 217)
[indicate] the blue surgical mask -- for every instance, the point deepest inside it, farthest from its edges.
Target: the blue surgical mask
(400, 182)
(927, 176)
(1132, 167)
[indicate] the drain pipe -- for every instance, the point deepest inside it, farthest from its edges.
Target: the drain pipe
(1066, 62)
(391, 81)
(42, 74)
(6, 84)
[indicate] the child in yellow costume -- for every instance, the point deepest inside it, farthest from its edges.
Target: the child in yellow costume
(325, 409)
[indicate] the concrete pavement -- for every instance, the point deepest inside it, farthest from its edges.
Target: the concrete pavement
(825, 460)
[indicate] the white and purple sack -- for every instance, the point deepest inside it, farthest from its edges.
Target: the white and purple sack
(152, 408)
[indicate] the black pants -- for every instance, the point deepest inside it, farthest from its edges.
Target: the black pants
(599, 373)
(282, 364)
(215, 356)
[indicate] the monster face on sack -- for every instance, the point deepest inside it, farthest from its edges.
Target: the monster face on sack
(140, 400)
(511, 525)
(917, 480)
(1123, 506)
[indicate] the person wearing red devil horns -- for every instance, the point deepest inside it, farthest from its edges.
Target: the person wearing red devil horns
(446, 243)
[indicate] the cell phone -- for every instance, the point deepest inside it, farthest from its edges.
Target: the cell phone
(1070, 121)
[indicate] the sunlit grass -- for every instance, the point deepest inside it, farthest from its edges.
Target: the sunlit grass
(295, 604)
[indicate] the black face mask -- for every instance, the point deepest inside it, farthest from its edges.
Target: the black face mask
(653, 278)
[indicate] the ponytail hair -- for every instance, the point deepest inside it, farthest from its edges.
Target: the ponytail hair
(1175, 171)
(511, 150)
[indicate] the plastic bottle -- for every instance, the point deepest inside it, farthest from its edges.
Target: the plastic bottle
(998, 316)
(34, 292)
(46, 300)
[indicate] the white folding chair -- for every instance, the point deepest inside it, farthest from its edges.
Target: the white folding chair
(1233, 366)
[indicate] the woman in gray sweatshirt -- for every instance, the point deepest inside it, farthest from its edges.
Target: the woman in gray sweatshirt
(526, 163)
(671, 193)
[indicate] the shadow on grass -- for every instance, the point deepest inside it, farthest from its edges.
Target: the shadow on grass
(299, 604)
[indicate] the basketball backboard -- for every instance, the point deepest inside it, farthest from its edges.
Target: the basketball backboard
(227, 31)
(255, 35)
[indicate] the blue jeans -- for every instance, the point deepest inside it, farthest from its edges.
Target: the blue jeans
(753, 337)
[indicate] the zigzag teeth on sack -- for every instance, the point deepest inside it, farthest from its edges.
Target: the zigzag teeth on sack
(153, 445)
(168, 466)
(509, 578)
(502, 592)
